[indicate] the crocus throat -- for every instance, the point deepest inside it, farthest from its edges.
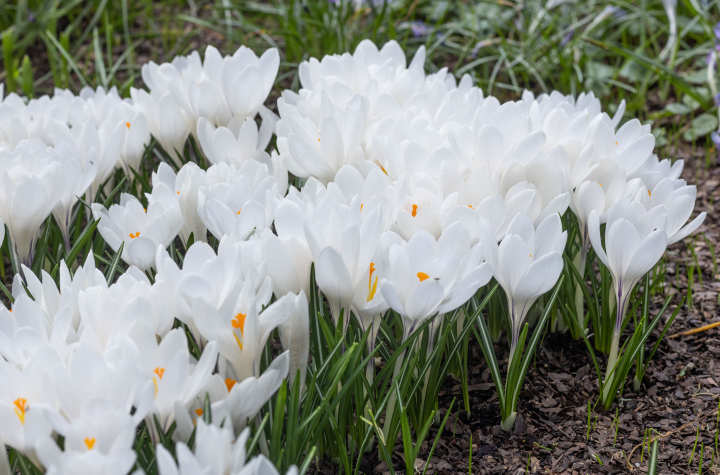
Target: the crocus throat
(20, 408)
(422, 276)
(90, 442)
(372, 286)
(238, 322)
(414, 210)
(134, 235)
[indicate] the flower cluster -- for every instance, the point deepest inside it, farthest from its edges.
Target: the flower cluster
(409, 192)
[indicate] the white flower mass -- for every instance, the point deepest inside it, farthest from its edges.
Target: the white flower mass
(409, 192)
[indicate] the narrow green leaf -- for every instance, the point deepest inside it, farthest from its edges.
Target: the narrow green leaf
(110, 275)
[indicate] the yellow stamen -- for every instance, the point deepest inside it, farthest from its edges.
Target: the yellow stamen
(238, 341)
(238, 321)
(20, 408)
(90, 442)
(414, 211)
(361, 205)
(422, 276)
(159, 371)
(178, 192)
(134, 235)
(199, 412)
(615, 143)
(372, 287)
(649, 194)
(156, 385)
(127, 124)
(381, 167)
(229, 383)
(239, 211)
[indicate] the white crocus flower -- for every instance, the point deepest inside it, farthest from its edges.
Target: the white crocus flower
(242, 327)
(374, 189)
(635, 240)
(88, 379)
(320, 148)
(233, 400)
(78, 181)
(367, 302)
(23, 396)
(216, 453)
(166, 120)
(168, 366)
(107, 139)
(287, 258)
(426, 277)
(237, 143)
(217, 88)
(137, 133)
(342, 246)
(34, 325)
(186, 185)
(119, 462)
(422, 208)
(215, 278)
(246, 397)
(527, 264)
(31, 185)
(679, 201)
(109, 311)
(237, 201)
(247, 80)
(141, 230)
(295, 337)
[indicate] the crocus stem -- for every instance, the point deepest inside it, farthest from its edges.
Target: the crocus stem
(622, 302)
(579, 262)
(612, 361)
(390, 408)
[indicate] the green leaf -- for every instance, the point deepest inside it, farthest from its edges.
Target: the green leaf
(677, 108)
(701, 126)
(657, 67)
(110, 275)
(79, 244)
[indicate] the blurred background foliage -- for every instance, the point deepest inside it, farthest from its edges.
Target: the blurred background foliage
(617, 49)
